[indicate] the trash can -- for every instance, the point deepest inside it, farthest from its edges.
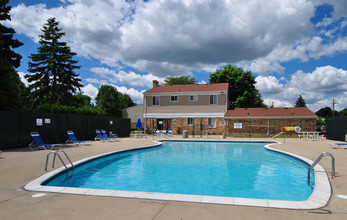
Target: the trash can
(185, 134)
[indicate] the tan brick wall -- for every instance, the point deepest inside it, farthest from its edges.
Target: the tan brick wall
(268, 127)
(180, 124)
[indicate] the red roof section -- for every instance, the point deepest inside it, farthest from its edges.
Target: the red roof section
(270, 112)
(190, 88)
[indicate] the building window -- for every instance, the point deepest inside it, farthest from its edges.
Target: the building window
(211, 123)
(155, 100)
(193, 98)
(190, 121)
(213, 99)
(174, 98)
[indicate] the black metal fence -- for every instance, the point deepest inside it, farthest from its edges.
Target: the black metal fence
(337, 128)
(15, 127)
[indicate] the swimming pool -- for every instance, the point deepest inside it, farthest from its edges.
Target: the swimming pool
(206, 170)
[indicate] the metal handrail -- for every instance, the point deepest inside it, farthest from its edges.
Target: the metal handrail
(56, 153)
(277, 135)
(317, 161)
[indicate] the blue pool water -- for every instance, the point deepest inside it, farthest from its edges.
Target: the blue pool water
(232, 169)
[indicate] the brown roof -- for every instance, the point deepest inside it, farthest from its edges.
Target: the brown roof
(190, 88)
(270, 112)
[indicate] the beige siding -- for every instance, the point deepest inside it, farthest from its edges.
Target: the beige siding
(133, 113)
(183, 101)
(186, 109)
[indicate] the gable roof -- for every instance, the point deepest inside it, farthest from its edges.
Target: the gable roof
(290, 112)
(189, 88)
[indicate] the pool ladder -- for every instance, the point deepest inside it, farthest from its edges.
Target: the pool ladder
(317, 161)
(57, 153)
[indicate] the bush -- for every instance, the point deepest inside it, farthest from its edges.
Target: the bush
(55, 108)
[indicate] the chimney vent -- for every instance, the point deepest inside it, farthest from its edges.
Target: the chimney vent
(155, 83)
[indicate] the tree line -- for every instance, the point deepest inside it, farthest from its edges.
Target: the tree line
(54, 86)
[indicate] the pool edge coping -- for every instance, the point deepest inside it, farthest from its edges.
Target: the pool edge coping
(319, 197)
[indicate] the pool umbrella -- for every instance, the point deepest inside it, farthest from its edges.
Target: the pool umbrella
(167, 124)
(138, 124)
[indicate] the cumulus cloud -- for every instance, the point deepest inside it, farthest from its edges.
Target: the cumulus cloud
(312, 86)
(131, 78)
(135, 95)
(90, 90)
(268, 85)
(171, 37)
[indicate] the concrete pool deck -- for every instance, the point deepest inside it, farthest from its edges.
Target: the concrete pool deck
(20, 166)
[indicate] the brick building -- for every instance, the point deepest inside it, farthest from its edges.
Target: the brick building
(268, 122)
(201, 108)
(194, 107)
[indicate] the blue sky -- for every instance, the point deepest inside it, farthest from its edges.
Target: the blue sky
(292, 47)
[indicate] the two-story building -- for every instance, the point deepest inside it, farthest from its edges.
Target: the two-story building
(194, 107)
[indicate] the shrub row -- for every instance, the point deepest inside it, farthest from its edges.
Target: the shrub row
(55, 108)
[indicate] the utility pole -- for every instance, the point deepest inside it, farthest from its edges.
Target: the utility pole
(333, 107)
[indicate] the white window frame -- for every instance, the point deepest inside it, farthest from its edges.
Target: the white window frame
(154, 102)
(195, 99)
(215, 100)
(211, 122)
(172, 97)
(192, 121)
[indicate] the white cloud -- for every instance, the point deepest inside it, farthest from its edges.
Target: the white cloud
(135, 95)
(130, 79)
(171, 37)
(268, 85)
(312, 86)
(90, 90)
(24, 80)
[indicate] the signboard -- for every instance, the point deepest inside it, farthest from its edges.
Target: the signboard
(237, 125)
(39, 122)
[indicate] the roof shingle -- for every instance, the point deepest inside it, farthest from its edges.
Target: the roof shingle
(189, 88)
(270, 112)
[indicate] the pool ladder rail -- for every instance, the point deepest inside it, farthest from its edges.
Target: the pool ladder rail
(317, 161)
(57, 153)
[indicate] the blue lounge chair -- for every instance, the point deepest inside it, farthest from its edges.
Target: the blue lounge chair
(339, 145)
(99, 136)
(73, 139)
(37, 142)
(107, 137)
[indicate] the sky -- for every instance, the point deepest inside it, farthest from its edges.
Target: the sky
(292, 47)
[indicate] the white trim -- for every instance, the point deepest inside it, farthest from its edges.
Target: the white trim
(184, 115)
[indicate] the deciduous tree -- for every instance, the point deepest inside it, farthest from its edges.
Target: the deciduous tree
(242, 91)
(179, 80)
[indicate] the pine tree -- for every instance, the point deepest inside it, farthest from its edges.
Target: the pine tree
(300, 102)
(10, 83)
(53, 80)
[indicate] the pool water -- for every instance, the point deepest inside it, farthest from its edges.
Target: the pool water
(229, 169)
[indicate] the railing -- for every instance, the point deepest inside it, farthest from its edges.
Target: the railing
(277, 135)
(57, 153)
(317, 161)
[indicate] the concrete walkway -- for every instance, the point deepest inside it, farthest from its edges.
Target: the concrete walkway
(20, 166)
